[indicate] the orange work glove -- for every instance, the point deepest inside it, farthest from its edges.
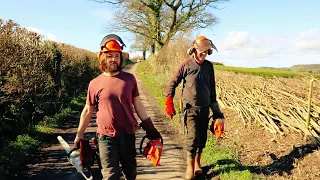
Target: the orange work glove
(217, 127)
(170, 107)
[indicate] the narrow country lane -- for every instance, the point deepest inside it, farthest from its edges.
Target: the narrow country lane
(51, 163)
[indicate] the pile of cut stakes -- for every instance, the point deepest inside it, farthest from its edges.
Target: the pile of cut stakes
(277, 103)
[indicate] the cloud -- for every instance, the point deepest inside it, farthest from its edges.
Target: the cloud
(241, 48)
(236, 40)
(309, 45)
(260, 46)
(46, 36)
(310, 34)
(243, 45)
(308, 40)
(51, 37)
(260, 52)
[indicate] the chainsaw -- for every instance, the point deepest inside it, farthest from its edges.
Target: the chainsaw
(153, 150)
(83, 156)
(216, 127)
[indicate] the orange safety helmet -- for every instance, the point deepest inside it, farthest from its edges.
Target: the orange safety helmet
(111, 45)
(111, 42)
(202, 44)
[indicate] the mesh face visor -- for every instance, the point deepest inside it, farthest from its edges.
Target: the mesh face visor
(203, 45)
(111, 37)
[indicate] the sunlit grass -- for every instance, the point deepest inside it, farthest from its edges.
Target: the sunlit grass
(156, 84)
(265, 72)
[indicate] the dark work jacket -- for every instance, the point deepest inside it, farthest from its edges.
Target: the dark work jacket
(198, 83)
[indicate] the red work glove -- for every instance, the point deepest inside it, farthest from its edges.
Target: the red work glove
(86, 153)
(170, 107)
(217, 127)
(152, 132)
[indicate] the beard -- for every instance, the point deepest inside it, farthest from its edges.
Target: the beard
(113, 67)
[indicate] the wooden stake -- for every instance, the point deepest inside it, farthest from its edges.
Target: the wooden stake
(309, 103)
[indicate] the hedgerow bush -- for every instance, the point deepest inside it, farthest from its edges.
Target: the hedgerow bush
(37, 77)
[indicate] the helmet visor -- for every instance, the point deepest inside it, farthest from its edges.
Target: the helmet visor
(203, 45)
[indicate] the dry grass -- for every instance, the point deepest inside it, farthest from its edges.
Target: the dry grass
(167, 60)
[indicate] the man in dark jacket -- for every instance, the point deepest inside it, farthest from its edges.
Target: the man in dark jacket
(197, 76)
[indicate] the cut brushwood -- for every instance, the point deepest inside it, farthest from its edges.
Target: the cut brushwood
(278, 104)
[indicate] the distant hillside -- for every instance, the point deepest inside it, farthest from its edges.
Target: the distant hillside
(217, 63)
(312, 68)
(282, 69)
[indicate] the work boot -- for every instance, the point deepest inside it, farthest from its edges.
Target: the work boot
(190, 169)
(197, 165)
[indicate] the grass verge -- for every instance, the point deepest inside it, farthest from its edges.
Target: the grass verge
(220, 161)
(20, 151)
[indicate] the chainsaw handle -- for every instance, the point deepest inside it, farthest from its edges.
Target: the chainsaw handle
(71, 151)
(141, 144)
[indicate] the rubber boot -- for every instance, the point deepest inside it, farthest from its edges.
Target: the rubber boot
(190, 169)
(197, 165)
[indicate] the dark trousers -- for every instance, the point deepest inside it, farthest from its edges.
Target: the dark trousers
(197, 121)
(116, 150)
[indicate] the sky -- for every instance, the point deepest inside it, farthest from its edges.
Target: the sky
(250, 33)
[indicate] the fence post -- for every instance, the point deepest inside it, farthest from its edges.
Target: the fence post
(309, 104)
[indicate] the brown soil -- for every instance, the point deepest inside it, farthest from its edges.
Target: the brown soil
(273, 156)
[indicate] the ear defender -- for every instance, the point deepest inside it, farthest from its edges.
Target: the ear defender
(98, 55)
(190, 51)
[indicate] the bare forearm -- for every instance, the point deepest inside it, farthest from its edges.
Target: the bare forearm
(138, 106)
(85, 119)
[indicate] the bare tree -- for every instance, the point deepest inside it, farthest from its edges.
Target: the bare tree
(159, 20)
(140, 44)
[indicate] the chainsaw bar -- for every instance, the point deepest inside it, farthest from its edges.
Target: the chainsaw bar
(74, 157)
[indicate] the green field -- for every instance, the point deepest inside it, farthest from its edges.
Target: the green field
(266, 72)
